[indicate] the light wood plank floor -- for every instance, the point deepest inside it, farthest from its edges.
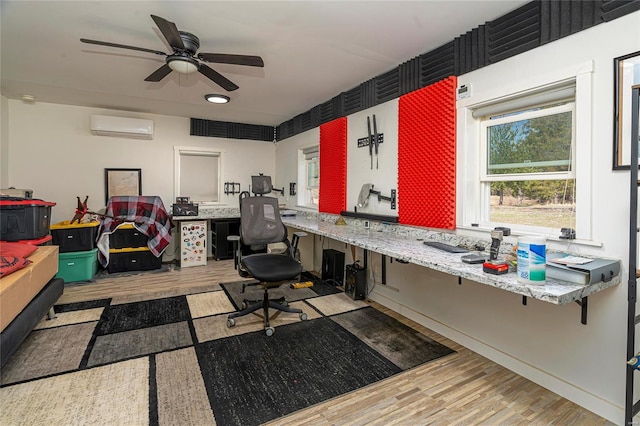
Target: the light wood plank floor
(463, 388)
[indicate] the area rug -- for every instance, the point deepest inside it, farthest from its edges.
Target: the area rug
(173, 360)
(240, 290)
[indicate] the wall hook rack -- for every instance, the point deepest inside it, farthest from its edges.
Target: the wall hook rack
(231, 188)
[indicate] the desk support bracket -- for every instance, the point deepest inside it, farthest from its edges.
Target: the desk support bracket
(583, 308)
(583, 305)
(384, 269)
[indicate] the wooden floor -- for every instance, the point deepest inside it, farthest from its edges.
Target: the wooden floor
(463, 388)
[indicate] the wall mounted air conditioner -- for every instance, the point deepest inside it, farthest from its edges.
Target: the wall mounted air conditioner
(106, 125)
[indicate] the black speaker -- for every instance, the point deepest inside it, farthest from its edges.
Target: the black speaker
(333, 266)
(356, 282)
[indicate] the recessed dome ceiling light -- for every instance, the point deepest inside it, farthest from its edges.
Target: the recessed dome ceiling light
(217, 99)
(28, 98)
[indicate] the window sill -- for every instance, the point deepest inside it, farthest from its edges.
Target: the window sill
(484, 232)
(307, 208)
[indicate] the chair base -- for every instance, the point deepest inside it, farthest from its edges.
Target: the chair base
(265, 304)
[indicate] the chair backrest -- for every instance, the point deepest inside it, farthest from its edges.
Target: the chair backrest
(261, 185)
(260, 222)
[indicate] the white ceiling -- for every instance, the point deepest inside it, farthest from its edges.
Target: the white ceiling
(312, 50)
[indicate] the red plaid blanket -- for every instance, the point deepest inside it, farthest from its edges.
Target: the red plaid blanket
(148, 216)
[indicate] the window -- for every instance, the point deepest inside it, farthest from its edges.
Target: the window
(526, 156)
(551, 169)
(197, 174)
(527, 172)
(309, 176)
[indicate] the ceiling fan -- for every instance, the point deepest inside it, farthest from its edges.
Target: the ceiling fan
(184, 58)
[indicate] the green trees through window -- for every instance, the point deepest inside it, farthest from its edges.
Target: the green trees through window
(529, 167)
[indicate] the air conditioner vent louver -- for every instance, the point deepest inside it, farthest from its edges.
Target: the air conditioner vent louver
(136, 128)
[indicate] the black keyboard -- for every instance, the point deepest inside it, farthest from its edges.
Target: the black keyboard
(445, 247)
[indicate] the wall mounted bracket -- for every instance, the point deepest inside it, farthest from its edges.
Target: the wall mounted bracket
(583, 308)
(230, 188)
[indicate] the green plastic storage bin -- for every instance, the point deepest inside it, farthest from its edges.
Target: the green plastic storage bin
(77, 265)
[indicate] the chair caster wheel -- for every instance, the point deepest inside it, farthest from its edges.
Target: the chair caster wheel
(269, 331)
(303, 316)
(231, 322)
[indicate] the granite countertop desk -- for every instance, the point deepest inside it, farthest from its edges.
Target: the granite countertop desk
(412, 250)
(405, 247)
(206, 213)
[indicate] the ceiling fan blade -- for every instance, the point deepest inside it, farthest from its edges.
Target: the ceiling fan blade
(159, 74)
(122, 46)
(169, 31)
(224, 58)
(217, 78)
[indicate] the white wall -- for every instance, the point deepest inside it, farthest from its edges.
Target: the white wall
(4, 142)
(384, 174)
(541, 341)
(52, 151)
(287, 155)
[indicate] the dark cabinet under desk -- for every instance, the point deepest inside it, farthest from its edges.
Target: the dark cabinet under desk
(220, 229)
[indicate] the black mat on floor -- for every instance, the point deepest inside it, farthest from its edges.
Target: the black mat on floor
(251, 379)
(79, 306)
(241, 290)
(402, 345)
(244, 290)
(132, 316)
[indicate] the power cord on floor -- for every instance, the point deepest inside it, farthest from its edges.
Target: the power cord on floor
(373, 278)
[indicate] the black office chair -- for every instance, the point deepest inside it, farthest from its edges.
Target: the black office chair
(260, 225)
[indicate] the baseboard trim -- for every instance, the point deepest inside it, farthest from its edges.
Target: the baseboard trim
(606, 409)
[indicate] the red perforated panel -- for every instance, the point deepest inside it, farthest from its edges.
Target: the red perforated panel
(333, 166)
(427, 156)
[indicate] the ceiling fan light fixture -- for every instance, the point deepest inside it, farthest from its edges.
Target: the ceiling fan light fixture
(217, 98)
(182, 64)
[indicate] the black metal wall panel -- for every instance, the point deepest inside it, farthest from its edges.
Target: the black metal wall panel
(560, 19)
(514, 33)
(297, 124)
(613, 9)
(326, 112)
(409, 76)
(367, 94)
(437, 64)
(225, 129)
(305, 121)
(353, 100)
(387, 86)
(285, 130)
(255, 132)
(198, 127)
(470, 51)
(315, 117)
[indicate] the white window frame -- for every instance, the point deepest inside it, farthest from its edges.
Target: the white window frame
(303, 189)
(178, 151)
(472, 195)
(486, 179)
